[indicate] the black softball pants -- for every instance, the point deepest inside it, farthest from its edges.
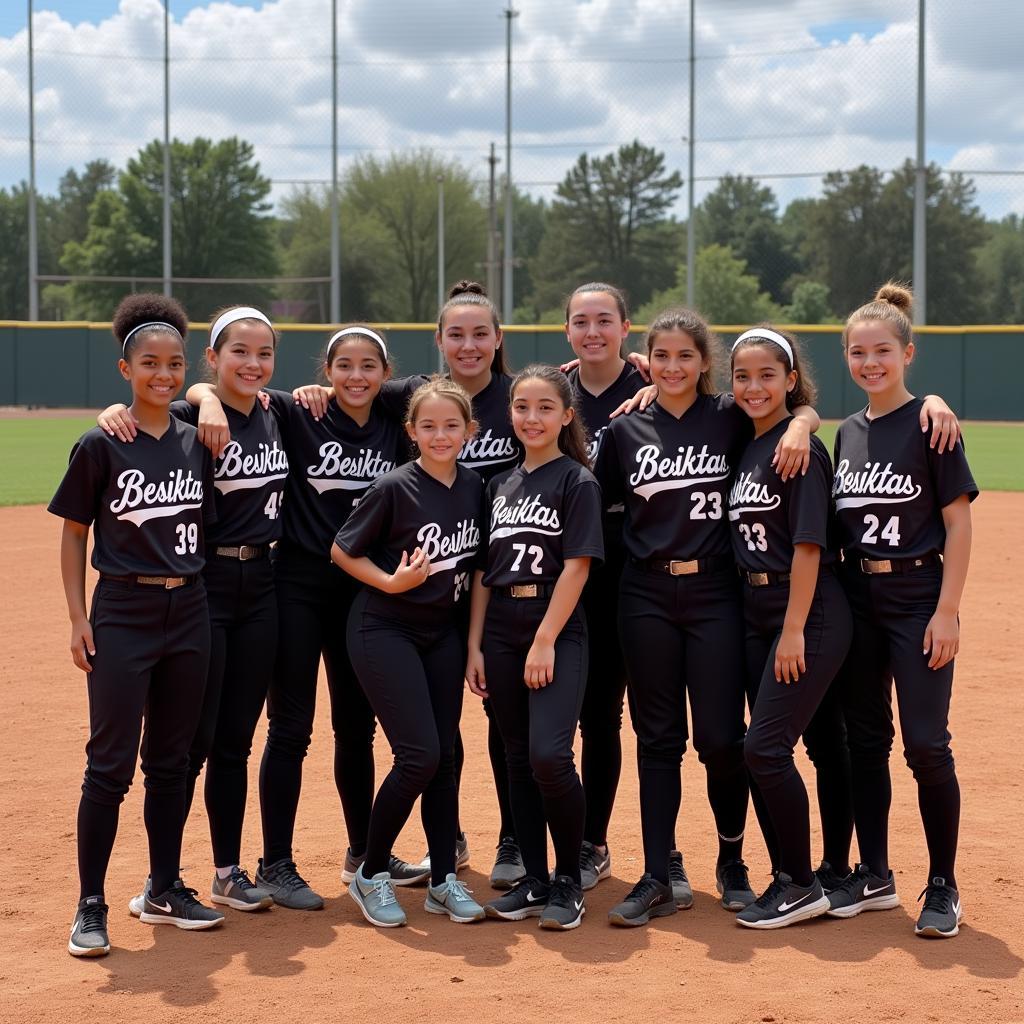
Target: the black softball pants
(683, 635)
(781, 712)
(147, 680)
(890, 614)
(243, 635)
(411, 662)
(313, 600)
(538, 727)
(601, 715)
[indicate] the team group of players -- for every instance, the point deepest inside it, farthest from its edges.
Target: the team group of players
(541, 539)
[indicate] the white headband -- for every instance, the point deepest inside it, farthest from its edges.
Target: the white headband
(232, 316)
(142, 327)
(365, 332)
(764, 334)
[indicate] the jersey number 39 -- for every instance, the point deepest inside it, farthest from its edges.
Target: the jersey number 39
(188, 538)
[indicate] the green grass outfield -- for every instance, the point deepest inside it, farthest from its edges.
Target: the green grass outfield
(34, 453)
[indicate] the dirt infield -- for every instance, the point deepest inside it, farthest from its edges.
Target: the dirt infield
(697, 965)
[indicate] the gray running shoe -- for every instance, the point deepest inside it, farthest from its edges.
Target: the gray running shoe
(401, 871)
(648, 898)
(89, 929)
(238, 892)
(137, 903)
(508, 867)
(828, 876)
(461, 855)
(451, 897)
(287, 887)
(594, 865)
(376, 898)
(733, 883)
(941, 915)
(179, 906)
(526, 899)
(861, 890)
(681, 890)
(784, 903)
(565, 907)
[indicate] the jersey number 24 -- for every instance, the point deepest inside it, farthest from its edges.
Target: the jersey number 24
(890, 532)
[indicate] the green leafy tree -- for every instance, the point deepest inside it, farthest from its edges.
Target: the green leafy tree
(1001, 269)
(723, 291)
(610, 220)
(810, 304)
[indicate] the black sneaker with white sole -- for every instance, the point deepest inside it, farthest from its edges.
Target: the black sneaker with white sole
(526, 899)
(238, 892)
(565, 907)
(861, 890)
(681, 888)
(89, 929)
(733, 882)
(594, 865)
(648, 898)
(784, 903)
(179, 906)
(941, 915)
(828, 876)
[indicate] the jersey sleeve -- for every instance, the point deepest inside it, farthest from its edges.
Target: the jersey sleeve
(209, 495)
(184, 411)
(810, 499)
(78, 496)
(951, 475)
(486, 501)
(368, 521)
(608, 470)
(395, 394)
(582, 535)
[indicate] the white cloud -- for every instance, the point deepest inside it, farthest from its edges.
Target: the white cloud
(594, 74)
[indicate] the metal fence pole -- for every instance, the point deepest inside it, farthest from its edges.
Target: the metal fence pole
(33, 233)
(335, 216)
(440, 258)
(508, 299)
(167, 151)
(920, 268)
(691, 238)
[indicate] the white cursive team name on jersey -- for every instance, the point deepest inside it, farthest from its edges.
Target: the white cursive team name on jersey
(451, 548)
(142, 500)
(747, 495)
(238, 472)
(486, 450)
(872, 486)
(337, 471)
(687, 468)
(526, 515)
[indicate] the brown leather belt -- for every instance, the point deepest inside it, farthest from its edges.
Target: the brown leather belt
(167, 582)
(527, 590)
(244, 552)
(897, 566)
(697, 566)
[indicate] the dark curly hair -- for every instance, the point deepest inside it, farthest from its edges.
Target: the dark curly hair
(804, 393)
(147, 307)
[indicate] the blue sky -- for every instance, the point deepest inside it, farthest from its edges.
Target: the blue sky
(13, 12)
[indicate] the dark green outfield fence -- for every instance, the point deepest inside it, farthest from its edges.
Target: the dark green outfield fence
(73, 365)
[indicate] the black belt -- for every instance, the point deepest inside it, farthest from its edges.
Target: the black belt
(896, 566)
(694, 567)
(775, 579)
(167, 582)
(243, 553)
(527, 590)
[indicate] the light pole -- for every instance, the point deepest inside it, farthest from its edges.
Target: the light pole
(508, 299)
(335, 216)
(691, 236)
(167, 151)
(33, 236)
(440, 258)
(920, 271)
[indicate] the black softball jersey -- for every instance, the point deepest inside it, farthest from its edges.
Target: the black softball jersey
(595, 409)
(767, 516)
(890, 487)
(249, 478)
(494, 448)
(409, 509)
(535, 520)
(674, 476)
(150, 500)
(332, 462)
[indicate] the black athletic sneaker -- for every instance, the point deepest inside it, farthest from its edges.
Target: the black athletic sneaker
(565, 907)
(861, 890)
(681, 889)
(508, 867)
(648, 898)
(594, 865)
(527, 899)
(289, 889)
(784, 903)
(828, 876)
(179, 906)
(733, 883)
(89, 930)
(941, 915)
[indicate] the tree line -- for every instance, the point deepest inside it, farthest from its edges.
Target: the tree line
(610, 219)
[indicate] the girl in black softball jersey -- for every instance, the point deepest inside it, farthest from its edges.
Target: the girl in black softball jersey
(904, 518)
(527, 637)
(672, 465)
(412, 541)
(249, 481)
(797, 619)
(145, 646)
